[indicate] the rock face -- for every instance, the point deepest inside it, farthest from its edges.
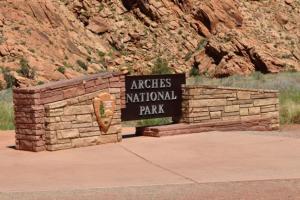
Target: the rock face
(63, 39)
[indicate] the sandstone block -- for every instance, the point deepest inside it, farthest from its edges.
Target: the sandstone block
(271, 114)
(54, 98)
(215, 115)
(233, 108)
(29, 120)
(246, 105)
(264, 102)
(241, 102)
(269, 108)
(254, 110)
(207, 91)
(198, 114)
(88, 96)
(54, 113)
(76, 91)
(201, 118)
(89, 129)
(243, 95)
(68, 118)
(51, 141)
(264, 95)
(191, 110)
(231, 118)
(87, 141)
(28, 137)
(275, 120)
(38, 148)
(221, 96)
(84, 118)
(78, 110)
(207, 102)
(216, 108)
(29, 131)
(30, 126)
(25, 145)
(39, 143)
(50, 134)
(63, 141)
(116, 85)
(114, 130)
(120, 137)
(68, 133)
(114, 90)
(99, 88)
(82, 125)
(58, 126)
(250, 117)
(72, 101)
(58, 104)
(244, 111)
(89, 134)
(103, 139)
(225, 114)
(55, 147)
(194, 91)
(101, 81)
(50, 120)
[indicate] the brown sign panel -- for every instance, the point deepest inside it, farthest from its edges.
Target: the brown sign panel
(153, 96)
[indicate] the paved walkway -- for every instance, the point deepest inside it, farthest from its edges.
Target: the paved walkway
(215, 163)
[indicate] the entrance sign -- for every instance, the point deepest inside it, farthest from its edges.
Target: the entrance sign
(152, 96)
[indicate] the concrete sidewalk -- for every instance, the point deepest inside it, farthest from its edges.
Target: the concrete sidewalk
(170, 162)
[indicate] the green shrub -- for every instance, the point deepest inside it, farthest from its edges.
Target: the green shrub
(82, 64)
(194, 71)
(25, 69)
(67, 65)
(89, 59)
(161, 66)
(101, 54)
(40, 82)
(201, 45)
(8, 77)
(188, 56)
(61, 69)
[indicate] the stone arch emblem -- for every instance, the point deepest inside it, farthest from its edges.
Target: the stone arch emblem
(104, 107)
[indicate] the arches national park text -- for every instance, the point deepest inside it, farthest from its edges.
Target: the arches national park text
(153, 96)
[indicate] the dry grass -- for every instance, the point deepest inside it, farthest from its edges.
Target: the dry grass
(6, 110)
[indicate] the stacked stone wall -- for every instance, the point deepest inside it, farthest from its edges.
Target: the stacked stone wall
(213, 104)
(60, 115)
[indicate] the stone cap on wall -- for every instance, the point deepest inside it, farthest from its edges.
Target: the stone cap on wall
(230, 88)
(66, 82)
